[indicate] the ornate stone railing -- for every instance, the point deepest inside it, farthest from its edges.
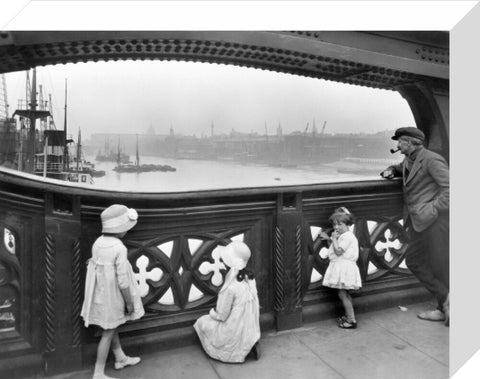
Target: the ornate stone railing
(48, 231)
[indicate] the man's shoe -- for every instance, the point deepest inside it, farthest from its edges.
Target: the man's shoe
(435, 315)
(128, 361)
(446, 310)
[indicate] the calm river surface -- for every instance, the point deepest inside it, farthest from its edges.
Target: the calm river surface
(194, 175)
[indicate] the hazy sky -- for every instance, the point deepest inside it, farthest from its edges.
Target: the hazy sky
(128, 97)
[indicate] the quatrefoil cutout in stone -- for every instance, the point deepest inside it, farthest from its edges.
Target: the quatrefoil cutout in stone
(395, 244)
(215, 267)
(155, 274)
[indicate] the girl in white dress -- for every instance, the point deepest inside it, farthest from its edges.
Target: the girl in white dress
(342, 272)
(231, 330)
(111, 291)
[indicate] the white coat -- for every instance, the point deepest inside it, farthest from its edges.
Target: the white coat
(229, 331)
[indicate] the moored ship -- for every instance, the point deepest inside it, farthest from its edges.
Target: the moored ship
(43, 151)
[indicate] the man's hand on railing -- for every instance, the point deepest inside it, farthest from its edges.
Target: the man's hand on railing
(387, 174)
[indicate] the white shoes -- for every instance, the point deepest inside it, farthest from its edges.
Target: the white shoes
(102, 376)
(128, 361)
(435, 315)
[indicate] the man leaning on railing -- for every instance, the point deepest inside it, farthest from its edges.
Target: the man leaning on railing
(425, 178)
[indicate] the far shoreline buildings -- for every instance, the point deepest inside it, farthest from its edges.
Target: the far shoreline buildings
(294, 149)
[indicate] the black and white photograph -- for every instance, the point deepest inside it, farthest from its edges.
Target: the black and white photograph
(190, 190)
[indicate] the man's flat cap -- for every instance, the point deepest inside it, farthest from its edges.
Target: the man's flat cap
(410, 132)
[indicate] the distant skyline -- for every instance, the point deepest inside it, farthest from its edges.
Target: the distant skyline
(132, 97)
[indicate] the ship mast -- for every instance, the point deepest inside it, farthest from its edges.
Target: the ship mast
(118, 152)
(32, 114)
(31, 132)
(137, 158)
(51, 124)
(79, 149)
(3, 99)
(66, 162)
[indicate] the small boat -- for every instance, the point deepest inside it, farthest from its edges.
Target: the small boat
(137, 167)
(144, 168)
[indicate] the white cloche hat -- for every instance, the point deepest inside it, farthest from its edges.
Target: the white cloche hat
(118, 218)
(236, 255)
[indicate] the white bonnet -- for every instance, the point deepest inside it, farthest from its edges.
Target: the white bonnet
(118, 218)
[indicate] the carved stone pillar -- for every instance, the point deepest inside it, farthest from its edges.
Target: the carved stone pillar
(62, 284)
(287, 262)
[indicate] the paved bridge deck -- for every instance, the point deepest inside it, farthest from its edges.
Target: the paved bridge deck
(387, 344)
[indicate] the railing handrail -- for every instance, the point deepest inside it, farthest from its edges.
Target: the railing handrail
(50, 166)
(35, 182)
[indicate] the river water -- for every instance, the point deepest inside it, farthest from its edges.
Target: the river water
(193, 175)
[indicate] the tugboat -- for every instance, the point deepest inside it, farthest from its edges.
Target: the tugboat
(83, 166)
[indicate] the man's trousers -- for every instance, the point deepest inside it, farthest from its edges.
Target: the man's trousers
(427, 256)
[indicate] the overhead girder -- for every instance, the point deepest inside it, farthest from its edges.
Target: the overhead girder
(369, 59)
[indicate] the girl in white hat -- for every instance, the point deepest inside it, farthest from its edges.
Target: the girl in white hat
(111, 291)
(231, 330)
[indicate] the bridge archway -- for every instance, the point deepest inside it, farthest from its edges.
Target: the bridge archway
(416, 64)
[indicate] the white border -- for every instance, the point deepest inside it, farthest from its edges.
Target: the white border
(232, 15)
(321, 15)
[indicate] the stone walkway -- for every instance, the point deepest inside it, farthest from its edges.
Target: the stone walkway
(387, 344)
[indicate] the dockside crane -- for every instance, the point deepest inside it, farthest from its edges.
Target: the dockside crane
(323, 128)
